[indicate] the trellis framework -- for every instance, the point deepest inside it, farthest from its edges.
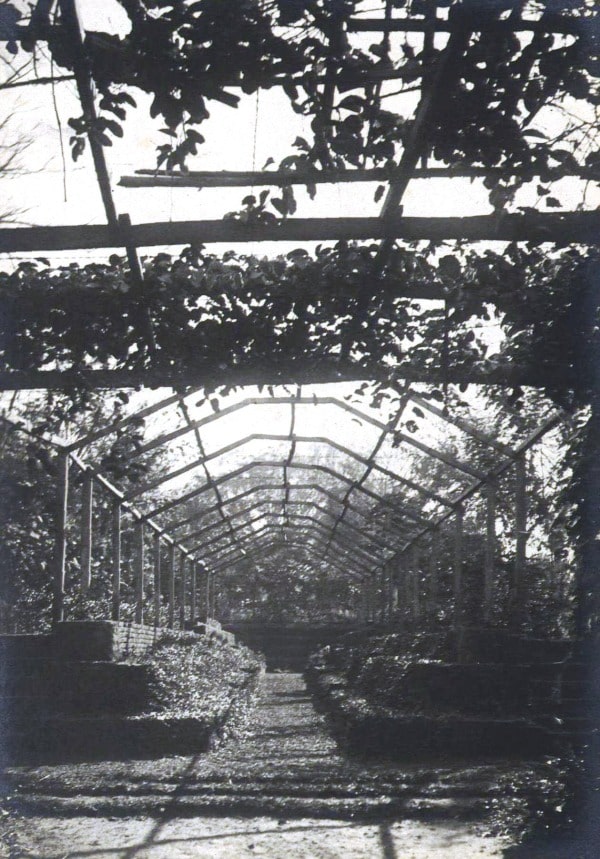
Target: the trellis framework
(375, 533)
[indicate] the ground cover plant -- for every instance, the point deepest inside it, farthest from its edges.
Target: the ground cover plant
(203, 679)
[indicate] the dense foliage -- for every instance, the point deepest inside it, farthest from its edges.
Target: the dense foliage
(493, 87)
(203, 679)
(242, 311)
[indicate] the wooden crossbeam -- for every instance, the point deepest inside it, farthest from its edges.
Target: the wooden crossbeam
(248, 509)
(317, 372)
(143, 488)
(562, 24)
(264, 546)
(401, 509)
(251, 178)
(564, 227)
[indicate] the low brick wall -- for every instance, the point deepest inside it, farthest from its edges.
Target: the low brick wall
(103, 640)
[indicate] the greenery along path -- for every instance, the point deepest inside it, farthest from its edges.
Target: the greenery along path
(267, 792)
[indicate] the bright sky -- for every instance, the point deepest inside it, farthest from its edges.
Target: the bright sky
(262, 126)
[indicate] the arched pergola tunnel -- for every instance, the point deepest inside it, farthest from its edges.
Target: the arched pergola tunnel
(370, 501)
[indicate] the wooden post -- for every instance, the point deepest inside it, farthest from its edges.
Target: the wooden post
(434, 580)
(58, 602)
(416, 581)
(213, 595)
(116, 560)
(458, 565)
(393, 592)
(193, 573)
(517, 595)
(139, 573)
(86, 531)
(182, 589)
(157, 579)
(171, 598)
(208, 584)
(490, 550)
(408, 587)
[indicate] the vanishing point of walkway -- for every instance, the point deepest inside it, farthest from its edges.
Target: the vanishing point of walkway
(281, 789)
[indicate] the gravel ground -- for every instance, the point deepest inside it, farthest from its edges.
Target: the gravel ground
(280, 789)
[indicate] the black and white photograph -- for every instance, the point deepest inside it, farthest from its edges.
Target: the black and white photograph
(299, 429)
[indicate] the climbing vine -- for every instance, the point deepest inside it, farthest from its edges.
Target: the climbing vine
(490, 99)
(242, 310)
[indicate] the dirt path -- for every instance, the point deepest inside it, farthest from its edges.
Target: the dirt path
(280, 790)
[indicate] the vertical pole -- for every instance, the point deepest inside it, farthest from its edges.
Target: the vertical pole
(517, 595)
(434, 580)
(408, 587)
(171, 599)
(157, 577)
(58, 602)
(193, 573)
(458, 566)
(139, 573)
(383, 600)
(86, 531)
(490, 550)
(416, 581)
(182, 589)
(213, 596)
(116, 560)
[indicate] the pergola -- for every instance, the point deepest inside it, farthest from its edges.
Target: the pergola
(341, 518)
(352, 508)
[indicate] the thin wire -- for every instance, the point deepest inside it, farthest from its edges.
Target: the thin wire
(60, 134)
(255, 133)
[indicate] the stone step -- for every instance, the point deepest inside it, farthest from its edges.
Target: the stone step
(351, 807)
(25, 645)
(77, 686)
(422, 737)
(68, 738)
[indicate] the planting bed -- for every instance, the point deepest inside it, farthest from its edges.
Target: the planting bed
(194, 691)
(411, 699)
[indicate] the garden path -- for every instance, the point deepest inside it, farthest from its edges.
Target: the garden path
(279, 789)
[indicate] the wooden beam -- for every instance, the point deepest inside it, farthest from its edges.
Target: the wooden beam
(184, 469)
(86, 531)
(171, 592)
(82, 441)
(465, 425)
(182, 590)
(529, 442)
(193, 594)
(416, 581)
(139, 572)
(83, 76)
(490, 549)
(458, 566)
(355, 529)
(62, 513)
(116, 560)
(478, 23)
(261, 548)
(434, 576)
(312, 371)
(399, 509)
(564, 227)
(517, 595)
(281, 178)
(157, 580)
